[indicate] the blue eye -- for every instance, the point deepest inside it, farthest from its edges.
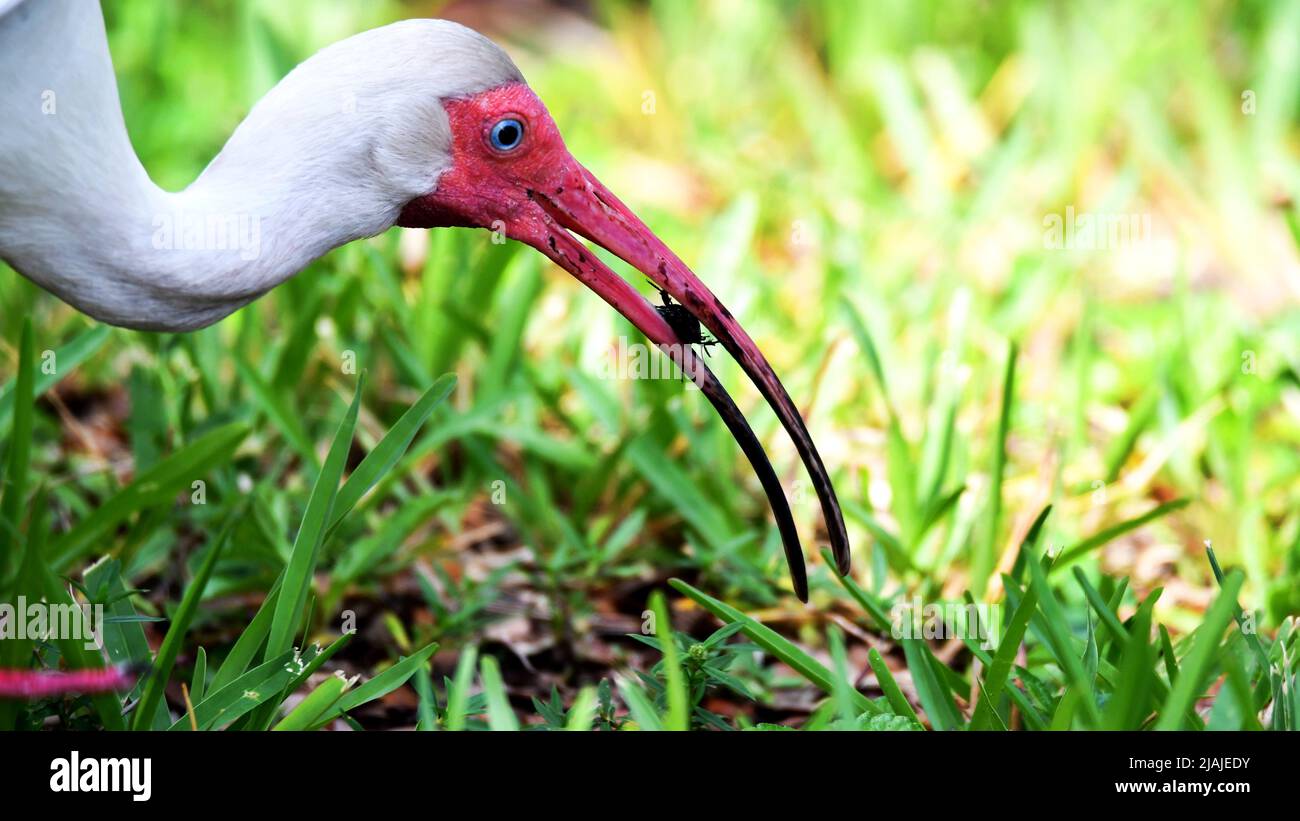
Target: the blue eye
(507, 134)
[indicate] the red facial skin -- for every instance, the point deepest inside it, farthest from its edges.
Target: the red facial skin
(538, 193)
(486, 186)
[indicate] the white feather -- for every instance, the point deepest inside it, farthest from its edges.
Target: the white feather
(329, 155)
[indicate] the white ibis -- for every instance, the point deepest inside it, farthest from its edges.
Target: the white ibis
(422, 123)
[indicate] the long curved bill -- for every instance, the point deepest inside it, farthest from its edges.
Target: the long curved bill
(585, 207)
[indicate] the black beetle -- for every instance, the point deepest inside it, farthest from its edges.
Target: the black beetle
(683, 322)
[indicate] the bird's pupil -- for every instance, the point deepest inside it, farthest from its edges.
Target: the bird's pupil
(506, 134)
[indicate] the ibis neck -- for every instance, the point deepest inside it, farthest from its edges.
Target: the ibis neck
(80, 216)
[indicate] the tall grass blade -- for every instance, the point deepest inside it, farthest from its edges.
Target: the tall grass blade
(1200, 661)
(678, 715)
(501, 716)
(161, 670)
(306, 546)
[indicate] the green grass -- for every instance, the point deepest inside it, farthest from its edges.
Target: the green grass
(1050, 434)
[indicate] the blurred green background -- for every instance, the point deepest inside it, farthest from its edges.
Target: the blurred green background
(844, 175)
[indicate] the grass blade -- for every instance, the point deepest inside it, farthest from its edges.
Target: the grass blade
(1003, 660)
(315, 705)
(893, 693)
(583, 712)
(771, 641)
(639, 705)
(379, 461)
(249, 641)
(245, 693)
(983, 561)
(306, 546)
(678, 717)
(14, 500)
(1199, 662)
(501, 716)
(198, 683)
(930, 690)
(387, 681)
(1060, 643)
(171, 644)
(458, 693)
